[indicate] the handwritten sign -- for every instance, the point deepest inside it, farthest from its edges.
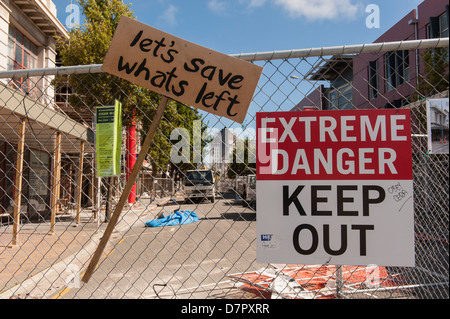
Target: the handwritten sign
(335, 187)
(181, 70)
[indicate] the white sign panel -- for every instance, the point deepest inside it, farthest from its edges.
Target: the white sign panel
(335, 187)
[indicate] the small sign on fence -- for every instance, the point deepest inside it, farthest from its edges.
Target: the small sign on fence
(108, 127)
(437, 124)
(335, 187)
(181, 70)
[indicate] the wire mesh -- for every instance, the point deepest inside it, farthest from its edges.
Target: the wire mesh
(54, 208)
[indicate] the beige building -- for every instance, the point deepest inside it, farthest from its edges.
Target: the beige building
(27, 38)
(29, 117)
(31, 24)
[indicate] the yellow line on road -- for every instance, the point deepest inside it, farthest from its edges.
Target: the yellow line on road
(67, 289)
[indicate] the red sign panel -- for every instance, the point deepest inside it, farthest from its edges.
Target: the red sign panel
(334, 145)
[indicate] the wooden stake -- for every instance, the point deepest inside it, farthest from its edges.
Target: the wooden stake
(123, 198)
(18, 182)
(55, 182)
(80, 182)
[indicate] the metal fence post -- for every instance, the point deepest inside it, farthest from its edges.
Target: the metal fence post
(339, 282)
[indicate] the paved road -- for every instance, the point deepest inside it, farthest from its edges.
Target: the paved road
(439, 148)
(188, 261)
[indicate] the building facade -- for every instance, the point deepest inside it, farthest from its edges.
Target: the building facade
(221, 150)
(28, 31)
(29, 117)
(383, 80)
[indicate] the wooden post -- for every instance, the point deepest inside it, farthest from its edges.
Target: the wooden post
(123, 198)
(91, 181)
(18, 182)
(80, 182)
(55, 181)
(92, 185)
(95, 191)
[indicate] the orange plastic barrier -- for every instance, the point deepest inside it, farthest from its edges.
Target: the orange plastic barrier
(315, 281)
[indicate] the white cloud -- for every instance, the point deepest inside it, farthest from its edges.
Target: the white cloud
(256, 3)
(320, 9)
(252, 3)
(169, 15)
(216, 5)
(308, 9)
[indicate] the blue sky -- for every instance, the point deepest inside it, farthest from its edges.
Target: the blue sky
(240, 26)
(247, 26)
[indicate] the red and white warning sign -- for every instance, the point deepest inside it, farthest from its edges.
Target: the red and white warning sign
(335, 187)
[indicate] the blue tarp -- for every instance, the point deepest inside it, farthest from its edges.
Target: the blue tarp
(179, 217)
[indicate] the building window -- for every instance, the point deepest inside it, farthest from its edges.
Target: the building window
(373, 79)
(341, 97)
(38, 178)
(62, 94)
(22, 54)
(399, 103)
(397, 69)
(443, 26)
(438, 27)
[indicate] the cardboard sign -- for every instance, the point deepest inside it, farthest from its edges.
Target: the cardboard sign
(181, 70)
(108, 131)
(335, 187)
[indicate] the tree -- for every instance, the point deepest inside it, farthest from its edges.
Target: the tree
(184, 117)
(433, 81)
(176, 115)
(435, 77)
(242, 167)
(89, 44)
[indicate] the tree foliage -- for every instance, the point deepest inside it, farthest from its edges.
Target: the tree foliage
(89, 44)
(435, 77)
(241, 166)
(432, 81)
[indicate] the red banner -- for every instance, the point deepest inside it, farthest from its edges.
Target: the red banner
(334, 145)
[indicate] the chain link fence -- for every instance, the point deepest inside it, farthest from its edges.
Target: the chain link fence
(54, 207)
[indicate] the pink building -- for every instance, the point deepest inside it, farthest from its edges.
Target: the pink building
(383, 80)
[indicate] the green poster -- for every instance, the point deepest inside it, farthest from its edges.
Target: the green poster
(108, 140)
